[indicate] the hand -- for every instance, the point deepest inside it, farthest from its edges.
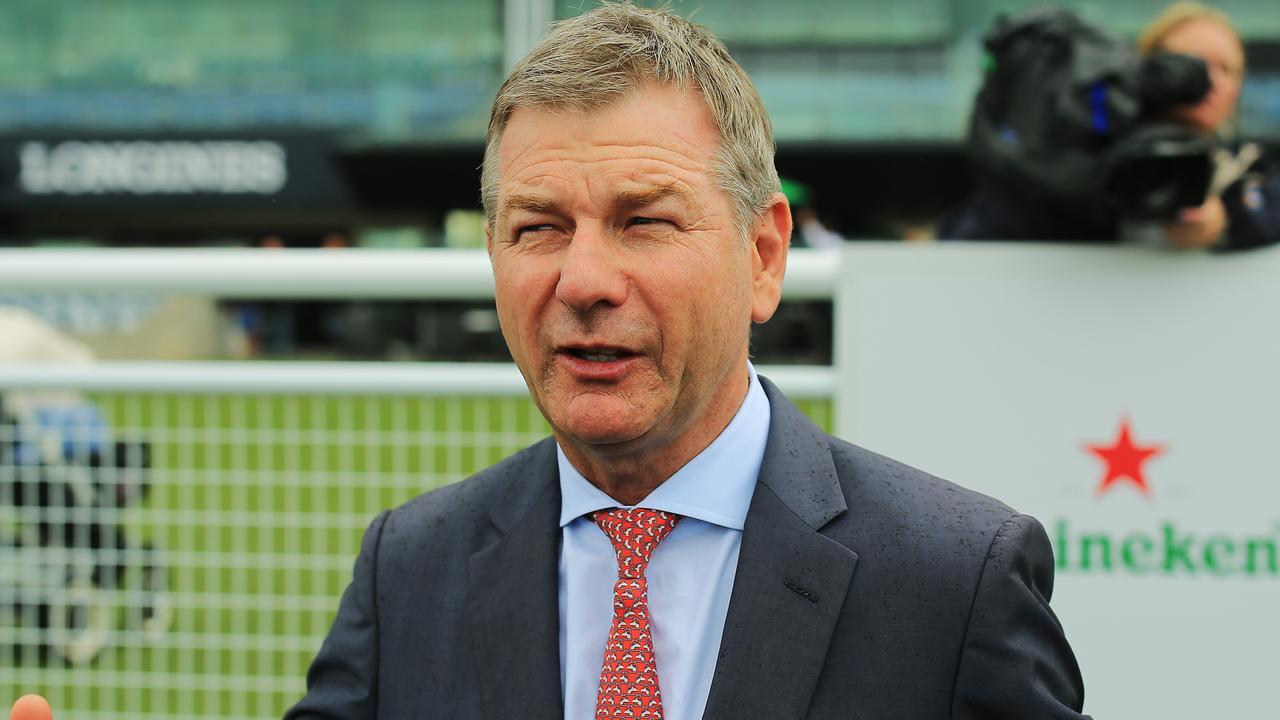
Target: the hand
(31, 707)
(1199, 227)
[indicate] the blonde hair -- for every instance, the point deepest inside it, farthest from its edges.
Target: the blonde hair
(597, 58)
(1175, 16)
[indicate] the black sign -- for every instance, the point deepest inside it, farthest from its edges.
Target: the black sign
(243, 171)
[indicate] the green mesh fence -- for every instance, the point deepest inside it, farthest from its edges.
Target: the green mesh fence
(208, 596)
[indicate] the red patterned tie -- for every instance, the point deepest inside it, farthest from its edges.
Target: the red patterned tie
(629, 677)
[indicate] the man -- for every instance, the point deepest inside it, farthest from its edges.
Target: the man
(689, 544)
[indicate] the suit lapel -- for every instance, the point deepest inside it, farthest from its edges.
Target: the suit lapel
(513, 591)
(791, 581)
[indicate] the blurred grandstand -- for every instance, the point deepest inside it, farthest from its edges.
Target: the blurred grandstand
(381, 106)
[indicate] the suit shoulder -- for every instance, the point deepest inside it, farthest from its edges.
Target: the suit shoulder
(909, 498)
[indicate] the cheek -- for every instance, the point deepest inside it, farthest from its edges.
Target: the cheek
(520, 297)
(722, 309)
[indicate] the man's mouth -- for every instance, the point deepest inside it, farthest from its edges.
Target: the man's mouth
(599, 354)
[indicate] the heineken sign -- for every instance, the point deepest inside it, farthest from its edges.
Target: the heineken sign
(1127, 398)
(1166, 549)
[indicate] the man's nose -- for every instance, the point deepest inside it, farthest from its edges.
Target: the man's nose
(591, 272)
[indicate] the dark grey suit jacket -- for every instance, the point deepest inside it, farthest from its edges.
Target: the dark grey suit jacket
(864, 589)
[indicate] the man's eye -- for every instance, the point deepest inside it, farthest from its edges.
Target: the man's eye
(644, 221)
(533, 229)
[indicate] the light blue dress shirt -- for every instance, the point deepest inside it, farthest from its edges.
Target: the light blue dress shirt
(690, 574)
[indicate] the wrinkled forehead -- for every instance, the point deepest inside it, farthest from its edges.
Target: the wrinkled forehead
(639, 94)
(657, 130)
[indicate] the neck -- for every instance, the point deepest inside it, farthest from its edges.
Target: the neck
(630, 473)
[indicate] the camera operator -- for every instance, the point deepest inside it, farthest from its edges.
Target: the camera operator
(1078, 139)
(1243, 205)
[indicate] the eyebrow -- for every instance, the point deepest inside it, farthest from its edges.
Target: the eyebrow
(653, 194)
(627, 198)
(531, 203)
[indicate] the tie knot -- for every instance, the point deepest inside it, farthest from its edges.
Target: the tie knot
(635, 532)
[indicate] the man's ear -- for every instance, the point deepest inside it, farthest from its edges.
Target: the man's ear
(770, 239)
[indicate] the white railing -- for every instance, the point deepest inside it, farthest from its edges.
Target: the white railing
(328, 378)
(242, 272)
(380, 274)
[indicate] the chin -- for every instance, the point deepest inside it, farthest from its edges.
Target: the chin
(603, 441)
(602, 425)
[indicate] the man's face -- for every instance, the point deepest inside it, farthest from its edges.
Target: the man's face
(625, 292)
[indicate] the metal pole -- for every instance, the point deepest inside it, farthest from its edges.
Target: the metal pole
(525, 22)
(436, 274)
(326, 378)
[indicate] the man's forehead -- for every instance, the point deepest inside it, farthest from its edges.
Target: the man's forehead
(653, 117)
(625, 194)
(656, 143)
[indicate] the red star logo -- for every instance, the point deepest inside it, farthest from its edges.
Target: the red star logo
(1124, 460)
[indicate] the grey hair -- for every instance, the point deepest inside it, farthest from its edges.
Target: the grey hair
(597, 58)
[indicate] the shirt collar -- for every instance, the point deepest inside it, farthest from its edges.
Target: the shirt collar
(715, 486)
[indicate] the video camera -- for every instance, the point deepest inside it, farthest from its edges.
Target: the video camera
(1070, 123)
